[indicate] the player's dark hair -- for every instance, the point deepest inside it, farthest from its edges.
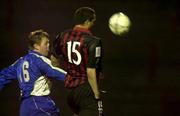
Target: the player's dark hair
(35, 37)
(82, 14)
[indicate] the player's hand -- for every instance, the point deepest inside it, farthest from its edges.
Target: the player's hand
(55, 61)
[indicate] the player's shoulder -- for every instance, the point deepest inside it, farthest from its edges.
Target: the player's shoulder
(35, 57)
(92, 38)
(17, 61)
(61, 34)
(96, 38)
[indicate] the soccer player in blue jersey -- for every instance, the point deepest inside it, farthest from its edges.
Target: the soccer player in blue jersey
(33, 72)
(82, 53)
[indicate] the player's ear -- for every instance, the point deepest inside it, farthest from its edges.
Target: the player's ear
(36, 46)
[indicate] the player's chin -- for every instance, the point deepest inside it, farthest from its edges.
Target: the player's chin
(46, 53)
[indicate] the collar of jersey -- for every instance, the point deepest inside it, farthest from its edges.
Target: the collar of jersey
(32, 51)
(82, 30)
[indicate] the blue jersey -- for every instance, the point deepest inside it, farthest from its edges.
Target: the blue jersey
(33, 72)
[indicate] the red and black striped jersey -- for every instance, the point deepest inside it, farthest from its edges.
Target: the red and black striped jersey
(80, 49)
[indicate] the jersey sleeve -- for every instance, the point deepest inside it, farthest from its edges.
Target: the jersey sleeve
(94, 54)
(50, 71)
(7, 75)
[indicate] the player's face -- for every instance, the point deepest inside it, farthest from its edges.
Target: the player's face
(43, 47)
(92, 22)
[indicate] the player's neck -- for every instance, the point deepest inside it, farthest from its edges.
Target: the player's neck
(82, 26)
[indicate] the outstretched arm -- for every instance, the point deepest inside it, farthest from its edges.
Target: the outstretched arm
(7, 75)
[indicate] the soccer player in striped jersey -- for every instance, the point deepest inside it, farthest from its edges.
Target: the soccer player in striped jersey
(33, 72)
(82, 53)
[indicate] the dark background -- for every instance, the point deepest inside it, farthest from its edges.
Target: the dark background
(142, 69)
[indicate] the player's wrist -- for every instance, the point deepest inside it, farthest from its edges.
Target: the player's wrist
(97, 96)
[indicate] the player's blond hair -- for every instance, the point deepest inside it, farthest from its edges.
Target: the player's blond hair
(35, 37)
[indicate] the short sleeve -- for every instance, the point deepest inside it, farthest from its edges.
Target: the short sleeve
(94, 53)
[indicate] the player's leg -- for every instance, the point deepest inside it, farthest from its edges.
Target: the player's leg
(88, 104)
(89, 107)
(38, 106)
(24, 108)
(72, 102)
(45, 106)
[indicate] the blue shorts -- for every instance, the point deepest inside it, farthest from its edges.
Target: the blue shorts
(38, 106)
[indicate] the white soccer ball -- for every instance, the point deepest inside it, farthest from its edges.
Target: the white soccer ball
(119, 23)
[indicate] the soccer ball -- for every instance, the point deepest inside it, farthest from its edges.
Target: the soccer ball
(119, 23)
